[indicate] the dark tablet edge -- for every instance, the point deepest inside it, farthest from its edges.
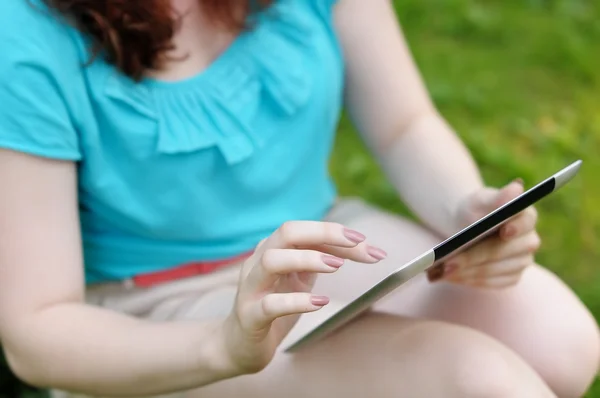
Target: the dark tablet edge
(493, 220)
(479, 229)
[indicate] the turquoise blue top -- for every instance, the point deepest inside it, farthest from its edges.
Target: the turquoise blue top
(198, 169)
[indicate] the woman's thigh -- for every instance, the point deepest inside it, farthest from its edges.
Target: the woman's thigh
(382, 355)
(540, 318)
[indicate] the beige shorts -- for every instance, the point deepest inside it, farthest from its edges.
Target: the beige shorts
(199, 298)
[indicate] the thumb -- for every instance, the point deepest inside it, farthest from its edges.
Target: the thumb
(490, 200)
(487, 200)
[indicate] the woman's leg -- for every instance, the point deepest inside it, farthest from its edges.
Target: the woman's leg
(387, 356)
(379, 355)
(540, 319)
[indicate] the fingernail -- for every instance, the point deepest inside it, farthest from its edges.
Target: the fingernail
(376, 253)
(519, 181)
(435, 273)
(354, 236)
(319, 301)
(332, 261)
(508, 232)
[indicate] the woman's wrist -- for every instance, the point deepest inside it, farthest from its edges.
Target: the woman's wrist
(432, 171)
(216, 356)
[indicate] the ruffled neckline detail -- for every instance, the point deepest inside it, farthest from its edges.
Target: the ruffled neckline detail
(217, 107)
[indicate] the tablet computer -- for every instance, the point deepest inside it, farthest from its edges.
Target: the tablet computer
(475, 232)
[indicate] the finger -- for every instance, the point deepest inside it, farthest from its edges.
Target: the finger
(506, 267)
(277, 262)
(477, 205)
(297, 282)
(495, 249)
(250, 261)
(263, 312)
(523, 223)
(501, 282)
(361, 253)
(489, 199)
(508, 193)
(295, 234)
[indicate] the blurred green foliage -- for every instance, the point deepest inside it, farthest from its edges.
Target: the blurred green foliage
(520, 82)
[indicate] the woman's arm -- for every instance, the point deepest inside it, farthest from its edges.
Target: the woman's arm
(50, 336)
(387, 100)
(53, 339)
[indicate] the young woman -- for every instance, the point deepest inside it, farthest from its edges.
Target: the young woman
(166, 209)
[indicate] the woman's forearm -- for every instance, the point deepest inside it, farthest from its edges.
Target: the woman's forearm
(432, 171)
(389, 104)
(80, 348)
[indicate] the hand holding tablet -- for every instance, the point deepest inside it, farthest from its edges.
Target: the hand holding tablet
(433, 258)
(499, 260)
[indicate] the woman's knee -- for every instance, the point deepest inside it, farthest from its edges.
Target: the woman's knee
(574, 358)
(541, 320)
(564, 344)
(473, 365)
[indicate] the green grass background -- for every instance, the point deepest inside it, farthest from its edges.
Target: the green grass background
(520, 82)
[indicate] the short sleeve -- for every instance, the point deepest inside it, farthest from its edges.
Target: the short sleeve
(38, 72)
(323, 7)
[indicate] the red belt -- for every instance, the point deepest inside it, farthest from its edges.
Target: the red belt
(185, 271)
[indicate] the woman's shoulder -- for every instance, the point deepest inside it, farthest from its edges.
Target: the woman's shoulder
(30, 30)
(40, 89)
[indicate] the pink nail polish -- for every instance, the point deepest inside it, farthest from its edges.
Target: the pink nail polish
(332, 261)
(376, 253)
(319, 301)
(354, 236)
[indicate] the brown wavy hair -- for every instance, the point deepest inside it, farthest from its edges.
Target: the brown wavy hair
(136, 35)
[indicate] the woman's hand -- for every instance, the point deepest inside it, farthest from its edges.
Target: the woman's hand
(499, 260)
(276, 282)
